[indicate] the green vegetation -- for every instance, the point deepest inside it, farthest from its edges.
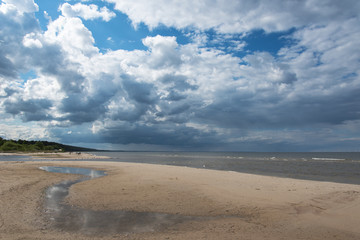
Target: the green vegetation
(37, 146)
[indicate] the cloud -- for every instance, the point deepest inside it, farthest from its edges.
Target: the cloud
(23, 6)
(23, 131)
(165, 134)
(73, 37)
(191, 95)
(236, 16)
(163, 51)
(7, 68)
(53, 56)
(30, 40)
(87, 12)
(14, 25)
(30, 110)
(140, 92)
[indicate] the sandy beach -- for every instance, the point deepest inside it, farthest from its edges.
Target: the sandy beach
(225, 205)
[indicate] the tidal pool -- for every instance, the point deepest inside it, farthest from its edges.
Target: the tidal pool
(74, 219)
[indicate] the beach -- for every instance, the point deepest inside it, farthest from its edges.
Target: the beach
(215, 204)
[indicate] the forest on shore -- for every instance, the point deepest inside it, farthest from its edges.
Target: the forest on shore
(37, 146)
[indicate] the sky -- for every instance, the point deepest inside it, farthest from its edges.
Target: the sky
(206, 75)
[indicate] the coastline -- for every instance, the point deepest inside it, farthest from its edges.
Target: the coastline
(57, 155)
(237, 205)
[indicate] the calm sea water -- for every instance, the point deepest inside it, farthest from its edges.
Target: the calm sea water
(334, 167)
(331, 166)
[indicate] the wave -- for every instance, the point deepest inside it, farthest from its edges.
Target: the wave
(328, 159)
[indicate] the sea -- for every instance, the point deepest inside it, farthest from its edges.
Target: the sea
(341, 167)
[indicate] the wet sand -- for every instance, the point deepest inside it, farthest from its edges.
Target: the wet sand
(229, 205)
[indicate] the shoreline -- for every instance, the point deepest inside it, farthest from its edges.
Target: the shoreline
(241, 205)
(57, 155)
(330, 171)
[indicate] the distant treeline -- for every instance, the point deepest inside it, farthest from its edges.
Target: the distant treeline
(37, 146)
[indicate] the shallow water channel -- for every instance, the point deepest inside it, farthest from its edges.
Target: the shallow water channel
(74, 219)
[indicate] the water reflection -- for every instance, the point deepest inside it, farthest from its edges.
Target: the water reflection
(83, 171)
(69, 218)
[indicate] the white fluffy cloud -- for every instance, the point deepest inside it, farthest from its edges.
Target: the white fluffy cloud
(72, 36)
(87, 12)
(31, 40)
(23, 131)
(163, 51)
(23, 6)
(236, 16)
(324, 57)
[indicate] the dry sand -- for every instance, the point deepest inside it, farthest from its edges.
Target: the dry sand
(235, 205)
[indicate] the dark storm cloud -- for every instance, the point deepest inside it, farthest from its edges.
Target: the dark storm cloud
(87, 107)
(133, 99)
(333, 110)
(50, 60)
(7, 68)
(230, 111)
(143, 93)
(30, 110)
(80, 135)
(179, 109)
(255, 111)
(175, 112)
(175, 95)
(162, 134)
(288, 78)
(82, 110)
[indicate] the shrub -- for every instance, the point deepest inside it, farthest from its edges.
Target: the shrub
(9, 146)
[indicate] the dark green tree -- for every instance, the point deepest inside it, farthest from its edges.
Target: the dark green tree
(39, 145)
(9, 146)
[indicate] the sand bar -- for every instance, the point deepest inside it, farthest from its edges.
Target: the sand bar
(238, 205)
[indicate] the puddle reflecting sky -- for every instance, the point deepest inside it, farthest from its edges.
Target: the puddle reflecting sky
(83, 171)
(69, 218)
